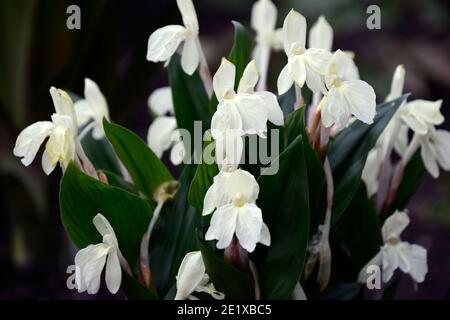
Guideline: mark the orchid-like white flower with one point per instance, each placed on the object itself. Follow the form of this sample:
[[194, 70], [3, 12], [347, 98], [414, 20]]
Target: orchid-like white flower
[[321, 35], [263, 21], [62, 132], [192, 278], [163, 43], [241, 112], [91, 260], [233, 197], [92, 107], [395, 253], [304, 65], [163, 133], [346, 97]]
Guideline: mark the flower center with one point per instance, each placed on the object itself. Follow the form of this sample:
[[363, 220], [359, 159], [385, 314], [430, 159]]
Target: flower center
[[297, 49], [239, 201], [392, 241], [229, 94]]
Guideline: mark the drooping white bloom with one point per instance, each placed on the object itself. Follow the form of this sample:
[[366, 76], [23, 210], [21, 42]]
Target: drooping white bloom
[[263, 21], [395, 253], [92, 107], [163, 133], [192, 278], [304, 65], [346, 97], [321, 35], [62, 132], [233, 197], [163, 43], [90, 261]]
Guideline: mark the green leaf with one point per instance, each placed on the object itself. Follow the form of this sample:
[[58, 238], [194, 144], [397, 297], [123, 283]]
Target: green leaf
[[82, 197], [236, 284], [284, 202], [295, 126], [174, 235], [412, 177], [117, 181], [190, 100], [203, 179], [348, 154], [146, 170], [241, 53]]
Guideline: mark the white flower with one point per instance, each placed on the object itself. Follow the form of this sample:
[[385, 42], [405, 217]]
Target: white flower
[[346, 97], [249, 110], [92, 107], [192, 278], [304, 65], [421, 115], [90, 261], [163, 133], [233, 195], [321, 35], [410, 258], [263, 21], [163, 43], [62, 132]]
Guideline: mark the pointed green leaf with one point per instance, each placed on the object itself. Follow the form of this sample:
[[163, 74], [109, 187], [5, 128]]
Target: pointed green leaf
[[145, 168], [284, 202]]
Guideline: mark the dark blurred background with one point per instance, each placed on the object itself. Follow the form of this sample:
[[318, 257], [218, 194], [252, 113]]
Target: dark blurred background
[[37, 51]]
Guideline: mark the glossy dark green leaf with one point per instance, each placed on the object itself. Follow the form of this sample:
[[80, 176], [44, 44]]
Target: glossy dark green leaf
[[284, 201], [190, 100], [174, 235], [412, 177], [236, 284], [348, 154], [241, 53], [295, 126], [145, 168], [82, 197], [203, 179]]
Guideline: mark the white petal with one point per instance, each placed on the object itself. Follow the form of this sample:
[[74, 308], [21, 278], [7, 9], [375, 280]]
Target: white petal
[[429, 159], [223, 226], [30, 139], [264, 16], [285, 80], [209, 202], [274, 112], [426, 111], [113, 274], [321, 35], [160, 101], [248, 226], [226, 117], [160, 133], [163, 43], [177, 153], [224, 78], [390, 262], [361, 99], [338, 64], [96, 100], [394, 225], [47, 165], [243, 183], [104, 228], [83, 111], [442, 148], [352, 71], [414, 260], [317, 59], [264, 237], [252, 112], [249, 78], [188, 13], [190, 274], [397, 84], [90, 262], [314, 80], [335, 110], [401, 142], [297, 70], [63, 103], [371, 171], [294, 29], [190, 57]]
